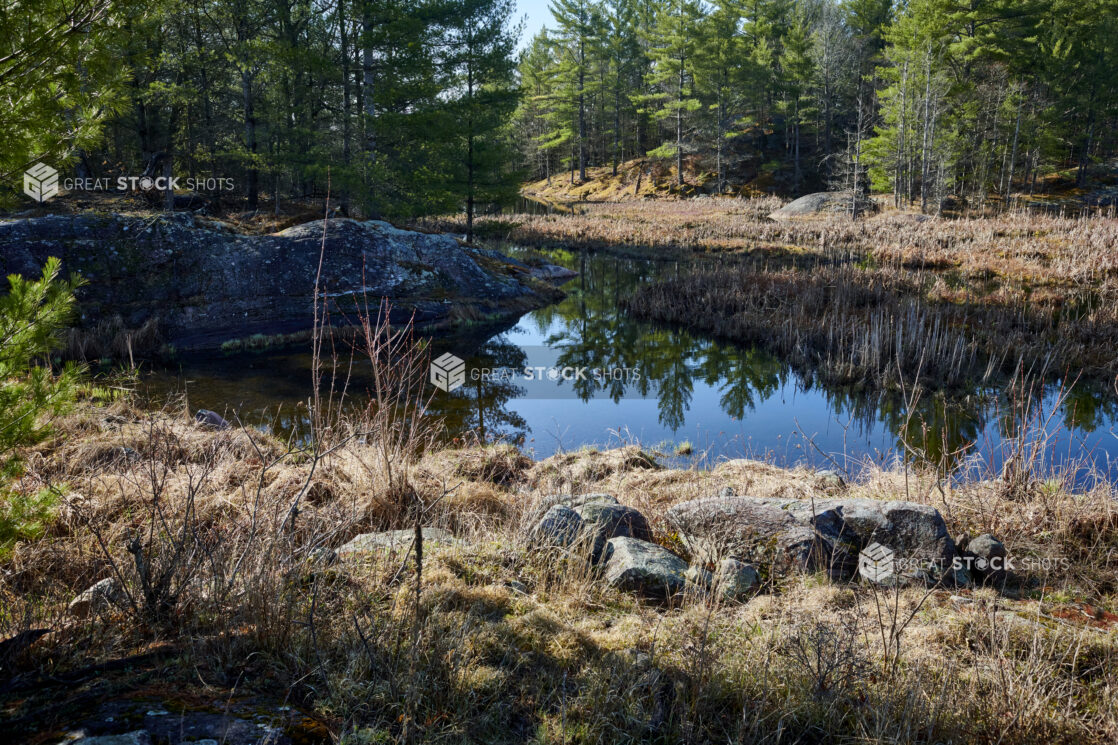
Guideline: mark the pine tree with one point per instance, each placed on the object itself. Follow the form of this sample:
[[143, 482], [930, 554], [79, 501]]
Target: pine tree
[[672, 49], [625, 64], [60, 78], [577, 39], [721, 71], [532, 121], [484, 67], [798, 65]]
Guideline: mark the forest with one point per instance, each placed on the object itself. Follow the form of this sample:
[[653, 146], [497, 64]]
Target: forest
[[413, 107], [644, 371]]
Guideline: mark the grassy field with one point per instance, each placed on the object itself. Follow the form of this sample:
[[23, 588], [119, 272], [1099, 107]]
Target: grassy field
[[493, 640]]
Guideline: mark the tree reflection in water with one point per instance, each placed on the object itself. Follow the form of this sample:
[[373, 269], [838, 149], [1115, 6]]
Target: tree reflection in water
[[691, 381], [587, 329]]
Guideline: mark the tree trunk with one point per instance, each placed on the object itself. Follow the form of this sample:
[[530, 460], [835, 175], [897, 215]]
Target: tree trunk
[[1013, 155], [898, 178], [796, 148], [470, 166], [582, 110], [721, 185], [924, 156], [347, 126], [617, 121], [250, 138], [679, 127], [1085, 156], [857, 161], [368, 86]]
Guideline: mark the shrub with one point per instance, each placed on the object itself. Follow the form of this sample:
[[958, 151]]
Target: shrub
[[32, 315]]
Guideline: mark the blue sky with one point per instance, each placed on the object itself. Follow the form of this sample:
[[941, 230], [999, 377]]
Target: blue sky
[[537, 14]]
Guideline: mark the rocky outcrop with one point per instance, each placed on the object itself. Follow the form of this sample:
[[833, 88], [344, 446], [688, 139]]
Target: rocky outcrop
[[827, 534], [203, 285], [821, 204]]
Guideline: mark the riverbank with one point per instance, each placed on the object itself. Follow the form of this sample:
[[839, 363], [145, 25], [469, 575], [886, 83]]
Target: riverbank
[[949, 302], [254, 610], [166, 283]]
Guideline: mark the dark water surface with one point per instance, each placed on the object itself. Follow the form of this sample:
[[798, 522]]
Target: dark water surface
[[671, 389]]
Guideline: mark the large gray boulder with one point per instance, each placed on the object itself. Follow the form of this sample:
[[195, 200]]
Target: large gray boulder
[[915, 534], [602, 521], [588, 519], [749, 528], [638, 566], [821, 204], [560, 526], [203, 284]]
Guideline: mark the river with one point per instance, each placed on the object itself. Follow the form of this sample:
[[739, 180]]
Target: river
[[583, 373]]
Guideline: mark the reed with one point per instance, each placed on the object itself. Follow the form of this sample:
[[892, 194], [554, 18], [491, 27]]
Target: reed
[[849, 325]]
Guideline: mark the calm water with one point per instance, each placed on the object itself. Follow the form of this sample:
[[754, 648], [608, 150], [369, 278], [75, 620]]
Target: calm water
[[671, 389]]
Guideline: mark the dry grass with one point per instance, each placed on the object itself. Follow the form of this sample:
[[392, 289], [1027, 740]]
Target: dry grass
[[959, 300], [1038, 249], [568, 660], [875, 326]]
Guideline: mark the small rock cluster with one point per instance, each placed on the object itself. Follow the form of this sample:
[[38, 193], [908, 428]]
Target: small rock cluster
[[730, 540], [619, 538], [730, 537]]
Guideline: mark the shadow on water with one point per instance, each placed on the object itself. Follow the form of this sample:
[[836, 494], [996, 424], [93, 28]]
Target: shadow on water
[[722, 400]]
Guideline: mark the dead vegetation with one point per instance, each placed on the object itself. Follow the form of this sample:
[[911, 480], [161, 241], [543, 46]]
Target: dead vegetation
[[952, 303], [507, 644], [1035, 249], [874, 327]]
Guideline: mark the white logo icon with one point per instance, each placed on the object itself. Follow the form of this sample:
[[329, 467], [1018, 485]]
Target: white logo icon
[[877, 563], [448, 373], [40, 182]]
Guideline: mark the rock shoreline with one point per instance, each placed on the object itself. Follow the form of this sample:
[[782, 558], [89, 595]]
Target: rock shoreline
[[201, 285]]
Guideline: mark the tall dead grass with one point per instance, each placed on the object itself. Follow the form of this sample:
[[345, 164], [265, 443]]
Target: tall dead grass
[[851, 325], [515, 643]]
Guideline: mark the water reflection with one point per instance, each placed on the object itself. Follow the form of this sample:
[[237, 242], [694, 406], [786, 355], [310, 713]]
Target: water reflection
[[727, 400]]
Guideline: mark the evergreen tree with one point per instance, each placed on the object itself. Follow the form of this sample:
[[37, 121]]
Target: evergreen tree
[[485, 69], [577, 36], [60, 77], [721, 71], [673, 46]]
